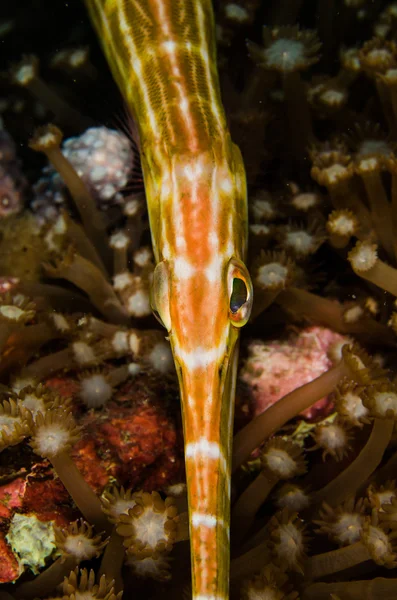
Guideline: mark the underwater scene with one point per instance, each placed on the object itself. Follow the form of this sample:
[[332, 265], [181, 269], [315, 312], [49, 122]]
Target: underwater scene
[[198, 299]]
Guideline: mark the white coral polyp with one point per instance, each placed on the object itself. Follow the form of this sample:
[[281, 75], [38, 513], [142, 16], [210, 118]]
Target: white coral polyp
[[259, 229], [262, 209], [149, 567], [333, 97], [300, 241], [378, 543], [353, 314], [373, 148], [237, 13], [354, 406], [348, 528], [83, 353], [379, 54], [149, 528], [138, 304], [122, 280], [34, 403], [95, 390], [280, 462], [335, 173], [343, 225], [120, 341], [80, 546], [7, 423], [60, 322], [121, 507], [285, 54], [331, 437], [385, 497], [25, 74], [12, 313], [272, 275], [142, 257], [51, 440], [363, 257], [290, 546], [161, 357], [293, 498], [119, 240], [385, 402], [305, 201]]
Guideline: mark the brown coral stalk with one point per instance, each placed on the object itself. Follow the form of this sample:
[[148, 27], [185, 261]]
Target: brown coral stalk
[[337, 560], [298, 113], [386, 473], [47, 140], [250, 501], [373, 589], [330, 313], [36, 335], [260, 428], [388, 106], [46, 582], [349, 480], [86, 276], [394, 210], [251, 562], [112, 560], [26, 75], [377, 272], [5, 331], [85, 498], [321, 310], [82, 243], [380, 208], [53, 296], [284, 12], [45, 366]]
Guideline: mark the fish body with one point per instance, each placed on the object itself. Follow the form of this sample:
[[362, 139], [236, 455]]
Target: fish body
[[162, 55]]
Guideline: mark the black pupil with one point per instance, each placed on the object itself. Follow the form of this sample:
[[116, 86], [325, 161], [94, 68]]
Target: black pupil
[[238, 296]]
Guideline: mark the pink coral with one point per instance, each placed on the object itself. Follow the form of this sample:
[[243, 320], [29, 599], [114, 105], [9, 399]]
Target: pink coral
[[273, 369]]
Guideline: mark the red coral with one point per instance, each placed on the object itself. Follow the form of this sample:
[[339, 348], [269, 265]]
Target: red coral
[[9, 568], [47, 497], [11, 497], [134, 439], [129, 441]]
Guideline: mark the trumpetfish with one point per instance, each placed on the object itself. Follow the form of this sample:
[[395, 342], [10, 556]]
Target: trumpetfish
[[162, 56]]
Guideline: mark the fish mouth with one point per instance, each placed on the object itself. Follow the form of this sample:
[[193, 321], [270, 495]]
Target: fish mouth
[[208, 433]]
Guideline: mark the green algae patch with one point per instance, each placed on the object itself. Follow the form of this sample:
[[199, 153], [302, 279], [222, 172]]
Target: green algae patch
[[32, 540]]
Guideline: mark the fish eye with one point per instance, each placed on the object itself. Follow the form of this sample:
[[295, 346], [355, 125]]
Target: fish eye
[[240, 293]]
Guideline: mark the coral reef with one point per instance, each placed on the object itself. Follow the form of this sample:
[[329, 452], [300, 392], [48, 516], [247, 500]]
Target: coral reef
[[91, 460]]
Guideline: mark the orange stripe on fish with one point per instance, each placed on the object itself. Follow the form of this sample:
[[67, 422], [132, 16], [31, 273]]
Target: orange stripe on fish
[[162, 55]]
